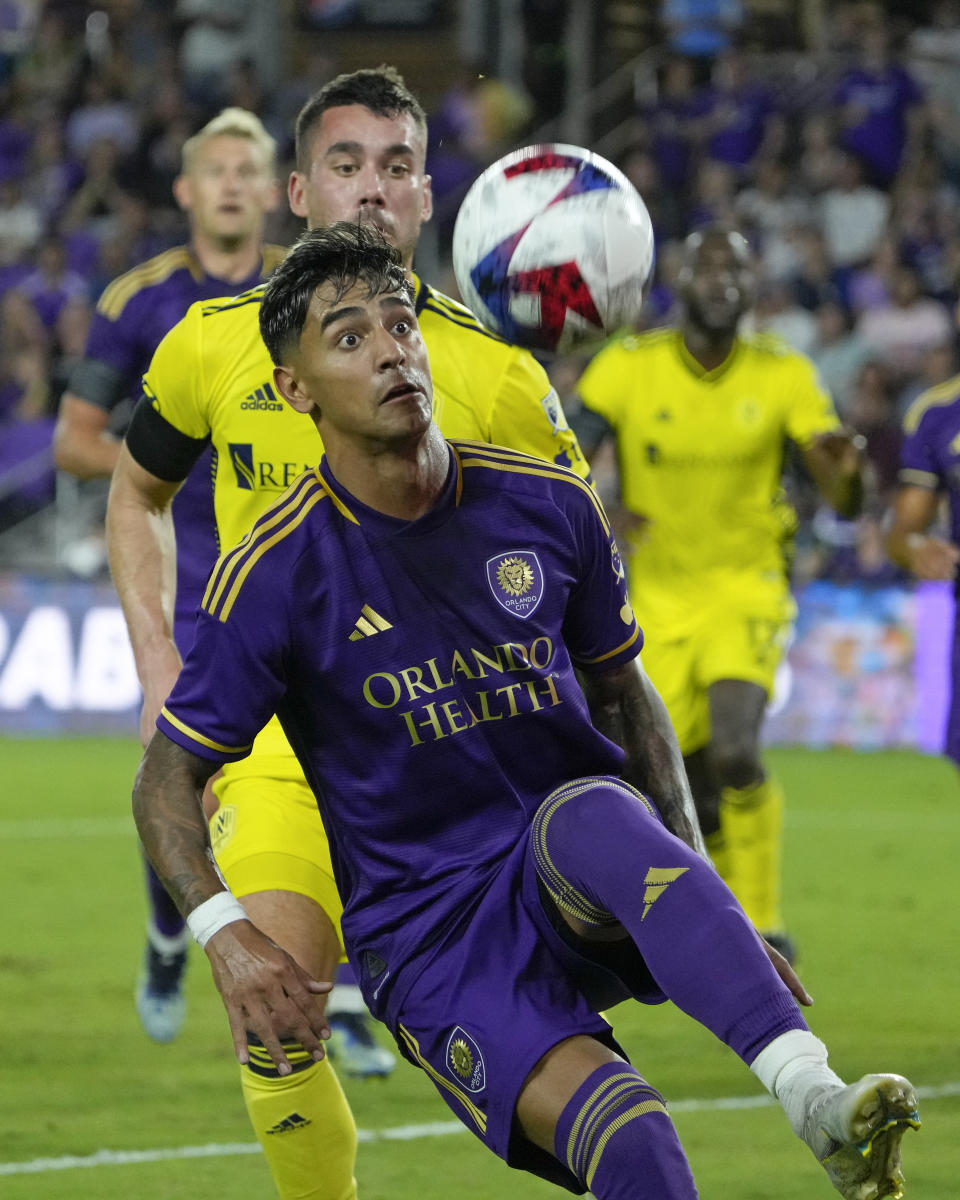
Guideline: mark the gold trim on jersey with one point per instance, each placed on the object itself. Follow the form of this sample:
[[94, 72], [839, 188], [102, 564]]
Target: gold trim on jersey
[[501, 458], [479, 1116], [199, 738], [616, 650], [282, 518], [117, 295], [941, 395]]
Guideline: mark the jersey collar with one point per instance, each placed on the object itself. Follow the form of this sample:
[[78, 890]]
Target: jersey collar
[[694, 367]]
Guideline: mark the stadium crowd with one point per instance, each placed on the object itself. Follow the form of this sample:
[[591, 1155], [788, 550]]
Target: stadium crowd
[[842, 168]]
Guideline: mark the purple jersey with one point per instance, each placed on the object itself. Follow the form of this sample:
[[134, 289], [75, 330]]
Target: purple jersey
[[423, 672], [930, 454], [880, 134], [132, 316]]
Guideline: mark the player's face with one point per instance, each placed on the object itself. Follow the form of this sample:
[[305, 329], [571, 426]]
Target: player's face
[[717, 285], [366, 167], [361, 368], [229, 188]]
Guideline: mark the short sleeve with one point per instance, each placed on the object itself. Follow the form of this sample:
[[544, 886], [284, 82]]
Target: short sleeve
[[527, 415], [602, 386], [919, 463], [174, 381], [600, 629], [810, 409], [233, 678]]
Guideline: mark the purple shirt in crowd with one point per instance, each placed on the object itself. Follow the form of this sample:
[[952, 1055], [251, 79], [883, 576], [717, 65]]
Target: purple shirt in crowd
[[880, 135], [424, 674]]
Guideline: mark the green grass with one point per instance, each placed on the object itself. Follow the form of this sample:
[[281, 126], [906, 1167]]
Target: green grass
[[870, 885]]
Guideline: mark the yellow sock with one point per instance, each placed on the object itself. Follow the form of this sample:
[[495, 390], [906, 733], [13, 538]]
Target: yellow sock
[[304, 1124], [717, 849], [751, 820]]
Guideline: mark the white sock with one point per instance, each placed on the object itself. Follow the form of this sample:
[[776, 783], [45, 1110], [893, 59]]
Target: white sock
[[793, 1068]]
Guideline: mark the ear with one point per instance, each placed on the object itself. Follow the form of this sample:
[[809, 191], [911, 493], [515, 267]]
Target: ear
[[297, 193], [183, 192], [287, 384], [427, 207]]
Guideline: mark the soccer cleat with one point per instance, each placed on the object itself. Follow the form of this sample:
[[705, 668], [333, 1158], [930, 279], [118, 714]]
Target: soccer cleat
[[353, 1047], [855, 1133], [161, 1004]]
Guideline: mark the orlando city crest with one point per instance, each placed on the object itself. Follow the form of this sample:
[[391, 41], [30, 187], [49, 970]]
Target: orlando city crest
[[516, 580], [464, 1061]]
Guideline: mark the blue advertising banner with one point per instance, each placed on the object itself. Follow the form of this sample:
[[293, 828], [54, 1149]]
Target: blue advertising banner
[[868, 667]]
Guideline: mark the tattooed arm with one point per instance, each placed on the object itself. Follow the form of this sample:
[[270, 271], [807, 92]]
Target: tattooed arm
[[626, 708], [263, 989]]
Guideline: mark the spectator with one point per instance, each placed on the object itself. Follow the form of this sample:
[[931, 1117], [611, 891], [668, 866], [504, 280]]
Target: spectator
[[778, 312], [20, 225], [882, 110], [52, 286], [735, 116], [50, 174], [713, 196], [103, 115], [873, 414], [770, 210], [934, 60], [905, 329], [853, 214], [839, 352], [701, 28], [870, 285], [816, 280], [668, 122], [820, 156], [221, 35]]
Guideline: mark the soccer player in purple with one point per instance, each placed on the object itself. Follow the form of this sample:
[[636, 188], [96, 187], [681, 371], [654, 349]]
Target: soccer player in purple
[[443, 629], [930, 469], [227, 187]]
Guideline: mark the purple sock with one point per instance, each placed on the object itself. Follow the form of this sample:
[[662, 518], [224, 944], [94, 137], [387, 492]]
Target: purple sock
[[603, 855], [616, 1137], [164, 913]]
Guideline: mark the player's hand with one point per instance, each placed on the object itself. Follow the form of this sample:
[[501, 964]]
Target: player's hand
[[266, 992], [932, 557], [787, 974], [843, 447]]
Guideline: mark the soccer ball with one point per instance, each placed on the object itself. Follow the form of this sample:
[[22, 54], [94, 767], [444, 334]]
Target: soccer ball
[[552, 248]]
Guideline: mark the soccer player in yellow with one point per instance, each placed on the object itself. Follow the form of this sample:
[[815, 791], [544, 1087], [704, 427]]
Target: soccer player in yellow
[[360, 153], [701, 414]]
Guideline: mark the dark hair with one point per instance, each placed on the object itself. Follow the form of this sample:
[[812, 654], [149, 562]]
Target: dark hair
[[341, 255], [381, 89]]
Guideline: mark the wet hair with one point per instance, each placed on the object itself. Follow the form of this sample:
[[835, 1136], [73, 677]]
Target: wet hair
[[232, 122], [380, 89], [341, 256]]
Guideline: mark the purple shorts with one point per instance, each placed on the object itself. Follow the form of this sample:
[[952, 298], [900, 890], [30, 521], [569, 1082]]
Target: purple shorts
[[502, 991]]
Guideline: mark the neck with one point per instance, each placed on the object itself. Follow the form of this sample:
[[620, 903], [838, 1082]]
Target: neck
[[709, 349], [402, 480], [230, 259]]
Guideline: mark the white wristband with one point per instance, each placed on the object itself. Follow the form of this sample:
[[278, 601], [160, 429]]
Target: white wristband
[[211, 916]]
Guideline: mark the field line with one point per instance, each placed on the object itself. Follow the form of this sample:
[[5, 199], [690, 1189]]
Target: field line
[[395, 1133]]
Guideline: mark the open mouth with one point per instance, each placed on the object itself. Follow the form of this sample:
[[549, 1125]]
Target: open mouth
[[401, 392]]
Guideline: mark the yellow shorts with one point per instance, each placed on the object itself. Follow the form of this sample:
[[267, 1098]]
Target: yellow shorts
[[267, 835], [741, 637]]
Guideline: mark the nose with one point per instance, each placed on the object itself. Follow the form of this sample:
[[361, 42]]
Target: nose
[[390, 351], [371, 187]]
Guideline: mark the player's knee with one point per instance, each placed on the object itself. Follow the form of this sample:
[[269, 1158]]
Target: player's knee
[[616, 1129]]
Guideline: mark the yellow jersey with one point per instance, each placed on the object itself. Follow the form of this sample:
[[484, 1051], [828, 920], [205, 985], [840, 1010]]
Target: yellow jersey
[[211, 380], [700, 455]]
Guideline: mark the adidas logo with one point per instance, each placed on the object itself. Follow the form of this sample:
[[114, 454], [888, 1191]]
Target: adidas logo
[[289, 1124], [657, 880], [264, 399], [368, 623]]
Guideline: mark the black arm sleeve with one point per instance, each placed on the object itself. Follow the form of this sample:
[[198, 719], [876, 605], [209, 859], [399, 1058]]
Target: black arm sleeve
[[98, 383], [160, 448]]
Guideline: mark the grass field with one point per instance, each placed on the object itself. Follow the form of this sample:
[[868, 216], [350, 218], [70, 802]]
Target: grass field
[[871, 896]]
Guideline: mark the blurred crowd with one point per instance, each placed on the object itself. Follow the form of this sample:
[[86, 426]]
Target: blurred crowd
[[841, 166]]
